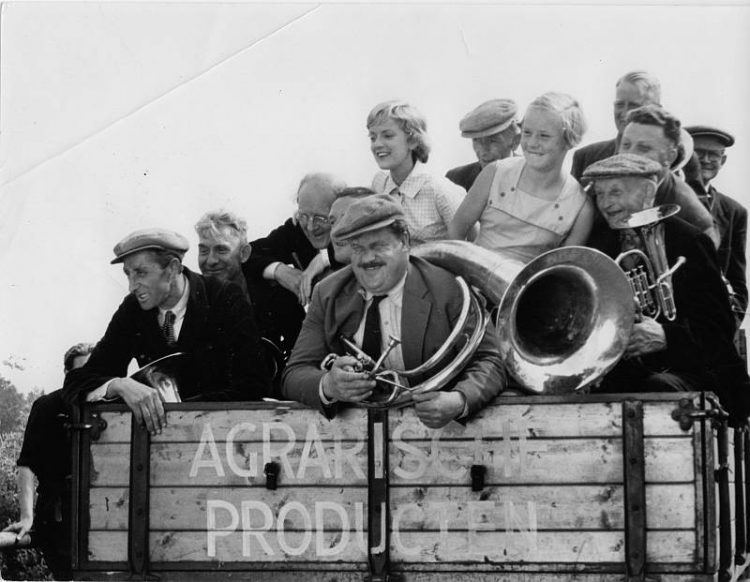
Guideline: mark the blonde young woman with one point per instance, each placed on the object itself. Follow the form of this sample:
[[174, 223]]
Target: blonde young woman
[[528, 205], [399, 143]]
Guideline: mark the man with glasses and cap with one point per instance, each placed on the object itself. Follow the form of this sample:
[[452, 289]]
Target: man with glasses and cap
[[694, 351], [709, 144], [284, 265], [386, 292], [170, 309], [494, 133]]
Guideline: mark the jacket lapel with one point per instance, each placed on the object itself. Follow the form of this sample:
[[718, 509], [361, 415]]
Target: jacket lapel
[[196, 313], [415, 315]]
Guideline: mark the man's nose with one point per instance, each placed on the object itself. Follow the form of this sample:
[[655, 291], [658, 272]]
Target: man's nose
[[132, 284]]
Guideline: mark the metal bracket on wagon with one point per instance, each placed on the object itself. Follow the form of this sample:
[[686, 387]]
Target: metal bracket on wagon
[[97, 425], [686, 413]]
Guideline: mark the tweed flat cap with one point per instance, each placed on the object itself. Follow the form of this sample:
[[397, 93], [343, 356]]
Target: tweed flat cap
[[150, 239], [488, 118], [622, 165], [366, 214], [723, 137]]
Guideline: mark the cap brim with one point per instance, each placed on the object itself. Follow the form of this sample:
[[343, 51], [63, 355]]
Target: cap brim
[[123, 256], [367, 228], [488, 131]]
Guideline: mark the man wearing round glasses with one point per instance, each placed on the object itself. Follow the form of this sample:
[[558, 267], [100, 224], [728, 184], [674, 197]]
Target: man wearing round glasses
[[284, 265], [709, 144]]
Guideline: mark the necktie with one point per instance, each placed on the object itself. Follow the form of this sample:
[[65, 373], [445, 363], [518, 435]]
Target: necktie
[[372, 338], [167, 328]]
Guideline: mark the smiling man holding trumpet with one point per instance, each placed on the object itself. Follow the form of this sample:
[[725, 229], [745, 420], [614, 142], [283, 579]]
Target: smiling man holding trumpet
[[392, 311], [682, 338]]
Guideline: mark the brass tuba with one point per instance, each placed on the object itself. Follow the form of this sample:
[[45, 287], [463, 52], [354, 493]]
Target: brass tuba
[[563, 320], [651, 279]]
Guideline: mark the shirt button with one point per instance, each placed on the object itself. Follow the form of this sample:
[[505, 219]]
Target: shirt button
[[512, 188], [559, 218], [557, 206], [502, 194]]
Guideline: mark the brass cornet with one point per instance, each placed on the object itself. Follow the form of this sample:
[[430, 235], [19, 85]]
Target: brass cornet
[[651, 280]]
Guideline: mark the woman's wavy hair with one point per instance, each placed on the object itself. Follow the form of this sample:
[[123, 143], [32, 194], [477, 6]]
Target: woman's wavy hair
[[411, 121]]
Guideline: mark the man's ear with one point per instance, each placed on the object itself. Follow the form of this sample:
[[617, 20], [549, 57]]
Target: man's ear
[[245, 252]]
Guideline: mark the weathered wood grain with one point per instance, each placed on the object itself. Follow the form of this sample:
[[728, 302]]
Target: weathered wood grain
[[325, 463], [110, 465], [541, 507], [536, 461]]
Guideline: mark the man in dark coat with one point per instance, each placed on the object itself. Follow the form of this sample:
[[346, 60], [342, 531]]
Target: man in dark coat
[[45, 457], [632, 90], [385, 292], [695, 350], [170, 309], [284, 265], [494, 133], [730, 215]]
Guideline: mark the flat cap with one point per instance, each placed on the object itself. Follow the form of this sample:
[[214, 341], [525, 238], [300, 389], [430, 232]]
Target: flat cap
[[724, 137], [366, 214], [150, 239], [488, 118], [621, 165]]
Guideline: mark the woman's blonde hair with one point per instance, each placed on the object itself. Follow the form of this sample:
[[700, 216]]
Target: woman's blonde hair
[[411, 121], [573, 121]]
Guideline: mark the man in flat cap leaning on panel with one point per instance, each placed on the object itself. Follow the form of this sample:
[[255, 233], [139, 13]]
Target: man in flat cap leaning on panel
[[695, 351], [494, 133], [730, 216], [386, 292], [171, 309]]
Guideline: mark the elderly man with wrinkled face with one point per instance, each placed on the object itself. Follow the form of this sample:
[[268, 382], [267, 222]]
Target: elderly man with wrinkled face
[[285, 264], [385, 293], [693, 352]]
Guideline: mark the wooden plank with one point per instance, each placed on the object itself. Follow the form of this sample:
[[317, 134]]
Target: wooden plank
[[318, 463], [529, 461], [658, 421], [108, 546], [118, 428], [283, 547], [110, 465], [282, 423], [108, 508], [578, 547], [252, 546], [579, 507], [588, 507], [512, 421], [187, 508]]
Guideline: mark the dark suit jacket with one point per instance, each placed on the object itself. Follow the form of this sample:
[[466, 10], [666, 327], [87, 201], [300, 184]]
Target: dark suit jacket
[[731, 219], [587, 155], [218, 333], [464, 176], [277, 310], [699, 341], [431, 305]]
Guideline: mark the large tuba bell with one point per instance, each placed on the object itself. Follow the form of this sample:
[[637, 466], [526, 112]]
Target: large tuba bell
[[563, 320], [651, 278]]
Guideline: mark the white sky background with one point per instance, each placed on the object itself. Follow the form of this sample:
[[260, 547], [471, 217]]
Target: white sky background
[[118, 116]]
